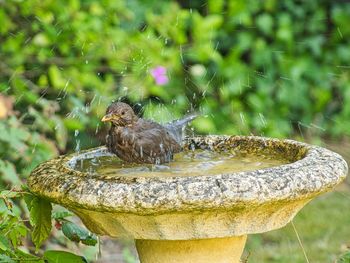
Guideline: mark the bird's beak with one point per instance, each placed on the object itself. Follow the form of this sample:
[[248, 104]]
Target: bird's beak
[[107, 117]]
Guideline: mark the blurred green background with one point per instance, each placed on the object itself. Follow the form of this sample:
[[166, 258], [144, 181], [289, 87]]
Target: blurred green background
[[272, 68]]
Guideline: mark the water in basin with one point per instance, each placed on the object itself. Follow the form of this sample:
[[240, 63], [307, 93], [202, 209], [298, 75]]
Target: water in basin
[[188, 163]]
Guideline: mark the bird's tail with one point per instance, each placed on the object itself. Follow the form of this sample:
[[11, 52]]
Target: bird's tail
[[183, 121], [177, 127]]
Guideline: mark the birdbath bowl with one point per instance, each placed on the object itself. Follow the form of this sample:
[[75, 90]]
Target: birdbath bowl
[[193, 218]]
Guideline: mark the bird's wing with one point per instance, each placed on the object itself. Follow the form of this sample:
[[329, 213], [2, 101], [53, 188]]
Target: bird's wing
[[151, 142]]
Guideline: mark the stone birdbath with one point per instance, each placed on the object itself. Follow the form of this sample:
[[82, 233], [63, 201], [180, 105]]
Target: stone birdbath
[[193, 218]]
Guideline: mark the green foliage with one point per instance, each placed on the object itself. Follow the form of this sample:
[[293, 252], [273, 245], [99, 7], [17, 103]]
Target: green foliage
[[273, 68], [250, 67], [59, 215], [40, 219], [6, 259], [344, 258], [18, 143], [62, 257], [78, 234], [323, 241], [13, 229], [256, 65], [128, 256]]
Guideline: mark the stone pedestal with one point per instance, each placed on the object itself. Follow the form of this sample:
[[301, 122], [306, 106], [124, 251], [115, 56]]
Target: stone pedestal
[[218, 250]]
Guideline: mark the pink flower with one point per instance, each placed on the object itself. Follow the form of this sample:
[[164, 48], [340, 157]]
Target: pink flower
[[159, 75]]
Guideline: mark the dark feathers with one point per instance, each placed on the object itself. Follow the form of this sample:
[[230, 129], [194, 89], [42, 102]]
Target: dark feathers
[[137, 140]]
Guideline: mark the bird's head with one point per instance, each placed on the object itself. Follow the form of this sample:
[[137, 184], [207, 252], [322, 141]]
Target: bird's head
[[119, 114]]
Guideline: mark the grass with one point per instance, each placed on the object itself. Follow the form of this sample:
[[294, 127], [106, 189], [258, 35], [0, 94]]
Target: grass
[[324, 229]]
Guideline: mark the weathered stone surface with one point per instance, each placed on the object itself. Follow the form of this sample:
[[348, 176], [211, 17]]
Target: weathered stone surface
[[198, 206]]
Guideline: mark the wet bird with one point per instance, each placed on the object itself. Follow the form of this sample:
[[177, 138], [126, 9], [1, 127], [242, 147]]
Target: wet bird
[[137, 140]]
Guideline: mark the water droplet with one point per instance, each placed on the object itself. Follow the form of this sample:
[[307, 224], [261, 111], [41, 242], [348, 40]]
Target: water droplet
[[193, 147], [242, 117], [34, 148], [141, 152], [77, 147]]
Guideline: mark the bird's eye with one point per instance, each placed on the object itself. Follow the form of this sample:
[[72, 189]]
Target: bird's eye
[[123, 112]]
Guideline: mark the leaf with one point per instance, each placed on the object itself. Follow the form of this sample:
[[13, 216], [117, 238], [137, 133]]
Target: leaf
[[344, 258], [3, 207], [25, 257], [9, 173], [61, 214], [6, 259], [4, 243], [14, 136], [15, 230], [55, 256], [28, 198], [77, 234], [90, 240], [56, 77], [40, 218]]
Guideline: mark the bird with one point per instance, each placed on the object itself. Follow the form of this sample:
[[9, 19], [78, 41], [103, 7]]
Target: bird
[[137, 140]]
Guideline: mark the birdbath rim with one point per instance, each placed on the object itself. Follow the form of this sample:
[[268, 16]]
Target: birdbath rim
[[314, 170]]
